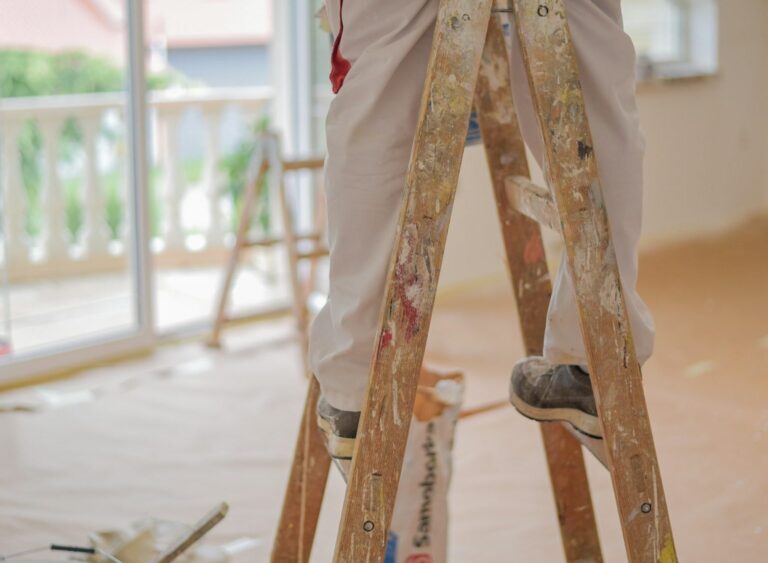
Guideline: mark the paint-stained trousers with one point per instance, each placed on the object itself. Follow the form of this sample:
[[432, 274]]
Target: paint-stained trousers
[[380, 65]]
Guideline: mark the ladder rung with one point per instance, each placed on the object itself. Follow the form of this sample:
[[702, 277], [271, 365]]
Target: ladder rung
[[257, 315], [597, 447], [304, 163], [532, 201], [271, 241], [319, 253]]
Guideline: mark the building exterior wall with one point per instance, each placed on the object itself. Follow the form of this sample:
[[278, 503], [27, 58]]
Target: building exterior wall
[[242, 65]]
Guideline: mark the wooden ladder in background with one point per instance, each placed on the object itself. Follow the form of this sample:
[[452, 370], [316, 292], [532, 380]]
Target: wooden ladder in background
[[268, 160], [470, 65]]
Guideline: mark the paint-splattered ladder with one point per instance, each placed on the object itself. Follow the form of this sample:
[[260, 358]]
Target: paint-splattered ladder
[[469, 64]]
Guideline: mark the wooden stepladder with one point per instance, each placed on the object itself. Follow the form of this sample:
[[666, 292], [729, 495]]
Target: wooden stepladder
[[306, 246], [470, 65]]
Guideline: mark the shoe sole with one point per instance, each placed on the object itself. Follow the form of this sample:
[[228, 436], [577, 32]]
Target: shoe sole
[[581, 421], [338, 447]]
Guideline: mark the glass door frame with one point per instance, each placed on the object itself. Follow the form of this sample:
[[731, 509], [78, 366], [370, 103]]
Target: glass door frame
[[23, 368]]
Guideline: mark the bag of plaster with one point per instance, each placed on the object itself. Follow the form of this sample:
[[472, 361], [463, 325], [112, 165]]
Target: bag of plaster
[[419, 530]]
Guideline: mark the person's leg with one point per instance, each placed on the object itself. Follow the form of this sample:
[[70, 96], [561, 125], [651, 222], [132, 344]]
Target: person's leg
[[370, 129], [606, 60], [556, 387]]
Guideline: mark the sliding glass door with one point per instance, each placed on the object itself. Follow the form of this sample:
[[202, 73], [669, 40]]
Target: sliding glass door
[[125, 129], [74, 273]]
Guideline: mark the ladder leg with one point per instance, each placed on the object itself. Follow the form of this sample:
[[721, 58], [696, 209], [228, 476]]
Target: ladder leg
[[568, 474], [552, 68], [414, 269], [241, 238], [505, 151], [305, 490], [300, 312]]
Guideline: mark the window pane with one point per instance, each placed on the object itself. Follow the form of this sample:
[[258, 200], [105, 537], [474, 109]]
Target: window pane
[[321, 69], [656, 27], [68, 202], [209, 77], [5, 313]]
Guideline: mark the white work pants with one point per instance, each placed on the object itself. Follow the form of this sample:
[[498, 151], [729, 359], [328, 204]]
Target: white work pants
[[380, 65]]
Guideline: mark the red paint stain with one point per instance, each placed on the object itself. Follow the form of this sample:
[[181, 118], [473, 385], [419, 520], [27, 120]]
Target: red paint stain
[[411, 315], [404, 280], [386, 338], [533, 251], [407, 276]]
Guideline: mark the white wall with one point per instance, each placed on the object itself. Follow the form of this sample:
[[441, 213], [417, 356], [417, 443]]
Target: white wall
[[706, 139], [707, 151]]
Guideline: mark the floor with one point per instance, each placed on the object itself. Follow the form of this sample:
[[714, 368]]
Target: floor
[[173, 434], [53, 312]]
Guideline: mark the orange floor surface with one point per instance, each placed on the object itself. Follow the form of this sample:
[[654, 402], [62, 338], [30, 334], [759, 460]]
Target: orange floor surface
[[171, 435]]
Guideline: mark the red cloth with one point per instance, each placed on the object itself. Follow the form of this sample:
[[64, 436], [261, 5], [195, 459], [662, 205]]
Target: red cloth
[[339, 65]]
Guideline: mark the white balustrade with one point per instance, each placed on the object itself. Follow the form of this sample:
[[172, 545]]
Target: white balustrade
[[13, 201], [212, 179], [54, 202], [174, 182], [53, 252], [95, 239]]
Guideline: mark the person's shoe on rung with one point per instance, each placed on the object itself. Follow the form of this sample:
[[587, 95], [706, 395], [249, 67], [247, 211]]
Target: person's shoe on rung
[[339, 428], [549, 393]]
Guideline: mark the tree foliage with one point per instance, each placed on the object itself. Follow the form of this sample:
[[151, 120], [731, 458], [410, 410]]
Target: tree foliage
[[33, 73], [26, 73]]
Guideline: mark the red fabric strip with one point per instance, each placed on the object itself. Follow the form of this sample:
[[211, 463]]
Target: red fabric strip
[[339, 65]]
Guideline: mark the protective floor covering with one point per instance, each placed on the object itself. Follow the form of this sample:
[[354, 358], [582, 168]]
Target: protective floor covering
[[171, 435]]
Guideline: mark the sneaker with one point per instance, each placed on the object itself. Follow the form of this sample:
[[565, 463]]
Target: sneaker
[[545, 392], [339, 428]]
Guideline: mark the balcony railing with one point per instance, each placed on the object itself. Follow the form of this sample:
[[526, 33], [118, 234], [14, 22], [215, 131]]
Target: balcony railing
[[66, 208]]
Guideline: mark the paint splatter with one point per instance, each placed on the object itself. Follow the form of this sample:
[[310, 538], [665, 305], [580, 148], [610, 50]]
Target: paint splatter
[[668, 554], [533, 251], [410, 312], [584, 150], [412, 280]]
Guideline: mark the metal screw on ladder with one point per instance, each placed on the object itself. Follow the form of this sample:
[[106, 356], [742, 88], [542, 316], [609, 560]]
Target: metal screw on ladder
[[646, 507], [368, 526]]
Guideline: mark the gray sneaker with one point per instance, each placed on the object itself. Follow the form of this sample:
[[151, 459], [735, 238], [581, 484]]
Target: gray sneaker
[[545, 392], [339, 428]]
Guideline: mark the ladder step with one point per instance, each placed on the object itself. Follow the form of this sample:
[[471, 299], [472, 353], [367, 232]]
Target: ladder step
[[535, 202], [271, 241], [312, 163], [595, 446], [319, 253], [258, 314]]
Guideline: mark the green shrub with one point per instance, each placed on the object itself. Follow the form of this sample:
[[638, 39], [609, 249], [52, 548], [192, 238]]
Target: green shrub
[[73, 208], [114, 205], [235, 168], [37, 73], [192, 170]]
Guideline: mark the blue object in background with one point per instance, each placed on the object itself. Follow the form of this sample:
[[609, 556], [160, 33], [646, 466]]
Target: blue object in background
[[391, 555], [473, 133]]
